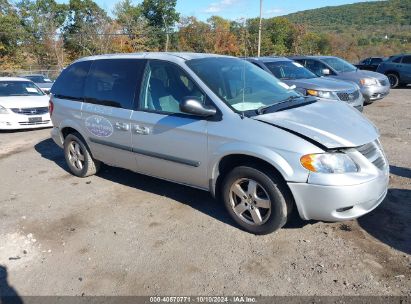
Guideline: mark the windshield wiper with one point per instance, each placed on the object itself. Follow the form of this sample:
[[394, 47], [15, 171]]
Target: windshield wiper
[[263, 109]]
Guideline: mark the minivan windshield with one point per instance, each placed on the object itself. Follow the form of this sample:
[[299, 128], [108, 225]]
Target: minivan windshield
[[339, 65], [289, 70], [19, 88], [240, 84]]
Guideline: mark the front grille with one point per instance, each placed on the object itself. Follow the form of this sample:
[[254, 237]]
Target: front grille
[[374, 153], [31, 111], [26, 123], [383, 82], [348, 96]]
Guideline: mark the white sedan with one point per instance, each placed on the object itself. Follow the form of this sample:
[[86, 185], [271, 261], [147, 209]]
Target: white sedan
[[23, 105]]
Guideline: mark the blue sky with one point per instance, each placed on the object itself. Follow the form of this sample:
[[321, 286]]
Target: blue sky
[[235, 9]]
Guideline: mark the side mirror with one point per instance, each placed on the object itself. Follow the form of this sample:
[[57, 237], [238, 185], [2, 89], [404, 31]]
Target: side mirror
[[326, 72], [191, 105]]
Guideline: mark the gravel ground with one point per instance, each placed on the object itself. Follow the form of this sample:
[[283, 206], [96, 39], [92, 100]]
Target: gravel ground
[[120, 233]]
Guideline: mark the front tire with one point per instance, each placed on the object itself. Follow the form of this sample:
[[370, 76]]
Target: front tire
[[394, 80], [258, 202], [78, 157]]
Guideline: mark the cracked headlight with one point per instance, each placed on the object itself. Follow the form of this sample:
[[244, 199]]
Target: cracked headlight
[[329, 163]]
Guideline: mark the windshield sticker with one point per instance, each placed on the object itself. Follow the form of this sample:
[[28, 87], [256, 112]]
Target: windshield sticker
[[32, 90], [297, 64], [285, 86], [99, 126]]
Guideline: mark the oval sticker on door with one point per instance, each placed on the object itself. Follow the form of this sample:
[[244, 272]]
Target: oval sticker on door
[[99, 126]]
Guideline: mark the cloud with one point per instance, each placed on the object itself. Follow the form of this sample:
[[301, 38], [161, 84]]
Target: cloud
[[217, 7], [273, 11]]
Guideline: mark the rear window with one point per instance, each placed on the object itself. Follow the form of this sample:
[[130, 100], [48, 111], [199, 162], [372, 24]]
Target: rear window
[[114, 82], [70, 83]]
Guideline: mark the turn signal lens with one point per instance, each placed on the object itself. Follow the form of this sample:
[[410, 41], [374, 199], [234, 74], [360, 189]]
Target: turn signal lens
[[307, 162], [312, 92]]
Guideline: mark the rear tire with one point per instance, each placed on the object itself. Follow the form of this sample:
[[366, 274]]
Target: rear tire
[[78, 156], [394, 80], [259, 202]]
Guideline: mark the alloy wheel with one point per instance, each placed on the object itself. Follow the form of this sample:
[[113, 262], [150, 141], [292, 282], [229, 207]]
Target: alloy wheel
[[250, 201], [76, 155]]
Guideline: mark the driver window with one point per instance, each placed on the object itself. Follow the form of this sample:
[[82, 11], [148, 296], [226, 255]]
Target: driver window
[[316, 66], [165, 86], [367, 61]]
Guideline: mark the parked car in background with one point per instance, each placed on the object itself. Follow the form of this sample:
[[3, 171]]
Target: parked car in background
[[374, 86], [223, 125], [41, 81], [23, 105], [306, 82], [398, 70], [370, 63]]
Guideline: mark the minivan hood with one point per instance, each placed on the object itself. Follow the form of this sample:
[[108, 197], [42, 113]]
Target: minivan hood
[[322, 84], [332, 124], [11, 102]]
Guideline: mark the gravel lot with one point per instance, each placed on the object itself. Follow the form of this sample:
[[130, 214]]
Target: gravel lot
[[121, 233]]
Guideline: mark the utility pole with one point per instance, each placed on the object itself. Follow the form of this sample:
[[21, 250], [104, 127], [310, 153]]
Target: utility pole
[[259, 28], [167, 35]]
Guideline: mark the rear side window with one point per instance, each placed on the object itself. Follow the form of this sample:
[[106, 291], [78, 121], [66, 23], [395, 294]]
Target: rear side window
[[376, 60], [366, 61], [406, 60], [397, 60], [114, 82], [70, 83]]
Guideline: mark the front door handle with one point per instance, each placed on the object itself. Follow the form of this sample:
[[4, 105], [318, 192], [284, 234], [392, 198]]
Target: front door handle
[[141, 130], [122, 126]]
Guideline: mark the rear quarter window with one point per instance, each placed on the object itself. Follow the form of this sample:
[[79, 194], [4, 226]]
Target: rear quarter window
[[70, 83], [114, 82], [406, 60]]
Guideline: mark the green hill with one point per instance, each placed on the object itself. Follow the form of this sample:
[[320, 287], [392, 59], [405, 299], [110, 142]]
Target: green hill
[[358, 16]]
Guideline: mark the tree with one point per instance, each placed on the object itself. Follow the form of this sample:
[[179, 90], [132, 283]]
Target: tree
[[161, 14], [41, 20], [225, 41], [10, 29], [87, 28], [140, 36], [194, 36]]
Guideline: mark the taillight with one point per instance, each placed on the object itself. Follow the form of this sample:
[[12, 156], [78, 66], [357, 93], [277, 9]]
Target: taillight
[[51, 105]]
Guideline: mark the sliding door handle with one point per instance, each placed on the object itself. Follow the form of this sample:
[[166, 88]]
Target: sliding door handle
[[141, 130], [122, 126]]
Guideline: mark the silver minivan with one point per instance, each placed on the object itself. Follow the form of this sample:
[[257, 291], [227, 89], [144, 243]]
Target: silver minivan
[[223, 125]]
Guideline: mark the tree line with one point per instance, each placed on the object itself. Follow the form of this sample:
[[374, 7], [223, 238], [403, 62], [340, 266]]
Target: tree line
[[44, 33]]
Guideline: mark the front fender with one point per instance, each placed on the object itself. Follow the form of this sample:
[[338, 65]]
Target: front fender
[[287, 163]]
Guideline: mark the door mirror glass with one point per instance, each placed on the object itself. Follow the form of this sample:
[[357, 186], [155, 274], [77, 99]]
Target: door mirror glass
[[191, 105], [326, 72]]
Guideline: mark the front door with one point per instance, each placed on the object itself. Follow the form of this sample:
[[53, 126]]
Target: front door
[[168, 143]]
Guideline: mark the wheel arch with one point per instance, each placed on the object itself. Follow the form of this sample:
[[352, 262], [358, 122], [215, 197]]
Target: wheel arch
[[271, 161], [392, 72]]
